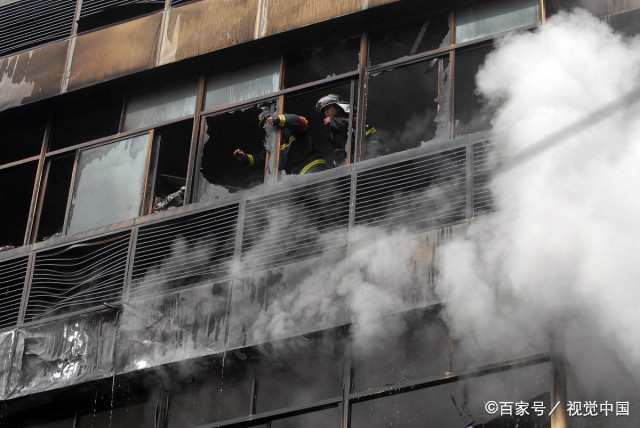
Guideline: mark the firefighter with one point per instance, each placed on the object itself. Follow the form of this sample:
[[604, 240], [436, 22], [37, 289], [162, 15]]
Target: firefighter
[[336, 119], [298, 154]]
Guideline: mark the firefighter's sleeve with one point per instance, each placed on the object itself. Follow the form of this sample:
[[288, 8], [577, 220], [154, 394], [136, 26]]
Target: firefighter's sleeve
[[256, 161], [291, 121]]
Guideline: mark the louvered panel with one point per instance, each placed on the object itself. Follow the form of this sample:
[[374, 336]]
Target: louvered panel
[[29, 23], [295, 224], [12, 276], [89, 7], [184, 251], [484, 162], [423, 192], [78, 277]]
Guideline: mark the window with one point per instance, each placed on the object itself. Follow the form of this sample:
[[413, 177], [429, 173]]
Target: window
[[17, 187], [56, 185], [492, 17], [109, 184]]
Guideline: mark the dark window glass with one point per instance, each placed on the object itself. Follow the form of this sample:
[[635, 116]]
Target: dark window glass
[[420, 351], [212, 393], [58, 415], [220, 173], [56, 192], [470, 111], [21, 143], [329, 59], [323, 419], [89, 123], [462, 404], [410, 38], [15, 194], [407, 107], [172, 147], [298, 372], [328, 142]]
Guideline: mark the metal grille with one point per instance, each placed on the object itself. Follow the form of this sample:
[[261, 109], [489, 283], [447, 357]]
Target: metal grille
[[28, 23], [77, 277], [12, 276], [421, 192], [184, 251], [89, 7], [484, 162], [295, 224]]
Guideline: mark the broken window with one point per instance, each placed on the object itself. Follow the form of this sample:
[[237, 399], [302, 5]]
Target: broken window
[[167, 180], [220, 173], [148, 109], [407, 107], [86, 123], [487, 18], [109, 184], [21, 142], [56, 185], [336, 139], [242, 84], [319, 62], [471, 113], [410, 38], [17, 188]]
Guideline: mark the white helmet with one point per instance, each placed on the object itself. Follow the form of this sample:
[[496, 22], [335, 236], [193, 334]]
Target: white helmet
[[332, 99]]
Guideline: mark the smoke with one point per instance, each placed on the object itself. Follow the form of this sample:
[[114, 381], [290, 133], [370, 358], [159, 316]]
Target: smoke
[[557, 258]]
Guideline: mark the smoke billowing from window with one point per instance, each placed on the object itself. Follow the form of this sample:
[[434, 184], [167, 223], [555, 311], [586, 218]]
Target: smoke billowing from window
[[559, 254]]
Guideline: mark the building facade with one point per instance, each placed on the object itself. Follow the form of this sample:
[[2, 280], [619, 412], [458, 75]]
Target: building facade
[[150, 279]]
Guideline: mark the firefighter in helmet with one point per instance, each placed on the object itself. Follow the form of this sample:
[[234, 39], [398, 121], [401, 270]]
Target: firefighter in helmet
[[298, 153], [336, 120]]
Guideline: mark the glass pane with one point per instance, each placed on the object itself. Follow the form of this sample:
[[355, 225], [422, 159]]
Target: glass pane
[[212, 394], [109, 184], [330, 138], [487, 18], [56, 193], [298, 371], [471, 113], [146, 110], [407, 107], [90, 122], [21, 142], [242, 84], [15, 194], [462, 404], [220, 173], [323, 419], [410, 38], [321, 62], [173, 146]]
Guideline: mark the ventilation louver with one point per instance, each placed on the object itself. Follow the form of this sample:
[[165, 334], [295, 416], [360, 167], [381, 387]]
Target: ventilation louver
[[78, 277], [28, 23], [184, 251], [295, 224], [420, 192], [12, 277], [484, 162]]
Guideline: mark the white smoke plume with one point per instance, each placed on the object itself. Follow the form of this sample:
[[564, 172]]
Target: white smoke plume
[[559, 255]]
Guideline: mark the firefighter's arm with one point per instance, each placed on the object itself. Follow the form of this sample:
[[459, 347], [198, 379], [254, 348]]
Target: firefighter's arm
[[291, 121], [249, 160]]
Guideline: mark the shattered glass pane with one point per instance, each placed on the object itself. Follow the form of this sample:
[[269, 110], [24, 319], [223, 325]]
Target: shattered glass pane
[[471, 112], [319, 62], [462, 404], [483, 19], [148, 109], [109, 184], [220, 173], [401, 116], [409, 39], [242, 84], [62, 353]]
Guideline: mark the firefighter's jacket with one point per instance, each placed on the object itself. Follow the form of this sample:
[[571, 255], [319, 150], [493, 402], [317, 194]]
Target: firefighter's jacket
[[338, 128], [298, 153]]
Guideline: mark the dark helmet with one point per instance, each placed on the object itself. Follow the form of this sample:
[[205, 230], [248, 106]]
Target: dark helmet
[[332, 99]]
